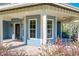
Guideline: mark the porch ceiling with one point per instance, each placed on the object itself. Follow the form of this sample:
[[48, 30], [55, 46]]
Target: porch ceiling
[[61, 16], [66, 18], [20, 15]]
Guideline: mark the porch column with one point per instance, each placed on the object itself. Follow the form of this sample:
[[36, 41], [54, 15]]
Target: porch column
[[25, 30], [1, 32], [44, 28], [78, 35]]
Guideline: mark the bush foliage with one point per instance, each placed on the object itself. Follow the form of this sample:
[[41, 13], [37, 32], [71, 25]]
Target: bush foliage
[[58, 49]]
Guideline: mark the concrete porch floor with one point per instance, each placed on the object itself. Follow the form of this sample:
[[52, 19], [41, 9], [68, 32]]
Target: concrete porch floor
[[16, 45], [12, 43]]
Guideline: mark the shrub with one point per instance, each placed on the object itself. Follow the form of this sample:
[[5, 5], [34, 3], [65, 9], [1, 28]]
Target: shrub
[[60, 49]]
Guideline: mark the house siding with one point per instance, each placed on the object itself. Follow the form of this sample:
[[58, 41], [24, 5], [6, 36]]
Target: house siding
[[35, 41], [59, 29], [22, 32], [53, 40], [7, 30]]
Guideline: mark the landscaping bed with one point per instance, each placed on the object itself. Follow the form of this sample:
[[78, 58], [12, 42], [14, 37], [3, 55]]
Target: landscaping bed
[[58, 49]]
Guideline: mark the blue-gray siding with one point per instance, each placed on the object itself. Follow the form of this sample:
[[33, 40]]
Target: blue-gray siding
[[35, 41], [7, 30], [59, 29], [53, 17]]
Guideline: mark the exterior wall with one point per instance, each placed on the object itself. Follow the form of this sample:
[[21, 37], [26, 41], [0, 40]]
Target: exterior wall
[[37, 40], [7, 30], [22, 32], [55, 31], [59, 29]]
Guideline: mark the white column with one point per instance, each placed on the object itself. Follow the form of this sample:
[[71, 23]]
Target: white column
[[55, 28], [1, 32], [24, 29], [13, 35], [78, 34], [44, 28]]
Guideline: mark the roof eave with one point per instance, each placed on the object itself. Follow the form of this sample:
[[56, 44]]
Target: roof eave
[[65, 5]]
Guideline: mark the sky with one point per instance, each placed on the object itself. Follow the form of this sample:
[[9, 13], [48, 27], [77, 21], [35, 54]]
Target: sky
[[75, 4]]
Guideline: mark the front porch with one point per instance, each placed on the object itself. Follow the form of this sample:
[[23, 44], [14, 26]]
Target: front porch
[[30, 36]]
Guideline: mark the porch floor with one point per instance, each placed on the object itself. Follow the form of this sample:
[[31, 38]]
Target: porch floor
[[12, 43], [17, 45]]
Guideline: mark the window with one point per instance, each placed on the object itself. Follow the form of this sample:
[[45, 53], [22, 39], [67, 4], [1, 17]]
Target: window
[[50, 28], [32, 28]]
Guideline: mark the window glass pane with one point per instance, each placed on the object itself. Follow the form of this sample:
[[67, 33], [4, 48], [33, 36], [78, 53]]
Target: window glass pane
[[50, 28], [32, 33], [30, 22], [33, 22], [32, 28], [49, 31], [49, 22]]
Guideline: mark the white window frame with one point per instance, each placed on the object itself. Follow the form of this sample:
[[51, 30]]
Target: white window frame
[[52, 29], [29, 29]]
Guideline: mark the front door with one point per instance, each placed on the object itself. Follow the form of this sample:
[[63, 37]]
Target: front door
[[17, 31]]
